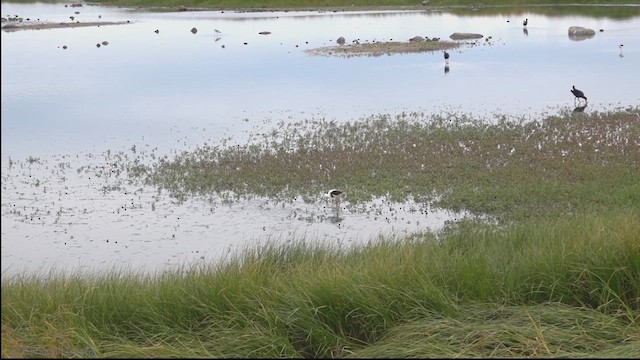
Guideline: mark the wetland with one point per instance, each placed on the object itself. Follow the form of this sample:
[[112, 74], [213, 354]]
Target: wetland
[[169, 147]]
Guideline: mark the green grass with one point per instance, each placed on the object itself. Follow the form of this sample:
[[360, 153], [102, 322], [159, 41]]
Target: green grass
[[509, 169], [568, 287], [468, 7]]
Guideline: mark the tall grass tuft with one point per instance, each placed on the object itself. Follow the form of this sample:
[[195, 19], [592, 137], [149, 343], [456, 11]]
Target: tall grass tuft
[[557, 287]]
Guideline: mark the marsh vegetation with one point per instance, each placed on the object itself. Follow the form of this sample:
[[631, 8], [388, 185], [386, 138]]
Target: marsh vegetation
[[548, 266], [559, 275]]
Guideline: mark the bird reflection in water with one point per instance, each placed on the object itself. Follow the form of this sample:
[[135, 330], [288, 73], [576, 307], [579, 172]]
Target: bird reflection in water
[[580, 109], [525, 31], [446, 68]]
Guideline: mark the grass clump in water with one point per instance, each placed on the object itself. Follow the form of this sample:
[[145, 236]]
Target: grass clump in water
[[510, 169]]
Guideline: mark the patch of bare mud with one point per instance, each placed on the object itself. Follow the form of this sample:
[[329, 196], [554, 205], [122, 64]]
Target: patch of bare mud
[[384, 48], [35, 25]]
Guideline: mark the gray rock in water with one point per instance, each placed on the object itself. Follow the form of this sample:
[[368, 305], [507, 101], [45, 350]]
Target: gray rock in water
[[465, 36], [579, 30], [416, 38], [580, 33], [340, 40]]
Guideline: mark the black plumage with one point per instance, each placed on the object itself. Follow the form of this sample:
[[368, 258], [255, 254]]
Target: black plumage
[[578, 93]]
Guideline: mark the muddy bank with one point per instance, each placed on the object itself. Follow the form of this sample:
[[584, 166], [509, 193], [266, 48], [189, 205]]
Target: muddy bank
[[384, 48], [34, 25]]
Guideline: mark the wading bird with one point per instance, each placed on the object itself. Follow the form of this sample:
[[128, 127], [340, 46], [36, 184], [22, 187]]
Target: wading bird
[[335, 195], [525, 22], [446, 56], [578, 94], [620, 47]]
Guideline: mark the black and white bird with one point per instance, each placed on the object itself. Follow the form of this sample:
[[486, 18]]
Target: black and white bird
[[620, 47], [525, 22], [578, 94], [335, 195], [446, 56]]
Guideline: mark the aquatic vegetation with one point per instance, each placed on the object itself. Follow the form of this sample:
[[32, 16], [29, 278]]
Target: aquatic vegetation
[[511, 168]]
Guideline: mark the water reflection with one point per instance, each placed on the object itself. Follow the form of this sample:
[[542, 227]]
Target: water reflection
[[81, 98], [446, 68], [580, 108], [525, 31], [82, 213]]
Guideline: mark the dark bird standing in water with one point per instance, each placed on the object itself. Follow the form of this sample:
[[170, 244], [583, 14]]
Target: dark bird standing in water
[[446, 56], [578, 93], [525, 22]]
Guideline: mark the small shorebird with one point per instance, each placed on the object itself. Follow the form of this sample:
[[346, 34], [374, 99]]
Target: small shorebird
[[446, 56], [335, 195], [525, 22]]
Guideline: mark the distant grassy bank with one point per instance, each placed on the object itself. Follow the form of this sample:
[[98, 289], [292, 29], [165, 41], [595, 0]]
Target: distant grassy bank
[[345, 4], [318, 4]]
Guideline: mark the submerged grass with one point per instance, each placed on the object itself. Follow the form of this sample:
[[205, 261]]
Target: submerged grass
[[506, 168], [565, 287]]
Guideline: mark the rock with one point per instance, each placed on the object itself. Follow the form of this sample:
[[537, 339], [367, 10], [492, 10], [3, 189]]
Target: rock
[[465, 36], [340, 40], [194, 30], [578, 33], [416, 38], [579, 30]]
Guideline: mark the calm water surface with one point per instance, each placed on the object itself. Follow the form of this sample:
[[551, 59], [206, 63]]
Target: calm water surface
[[62, 109]]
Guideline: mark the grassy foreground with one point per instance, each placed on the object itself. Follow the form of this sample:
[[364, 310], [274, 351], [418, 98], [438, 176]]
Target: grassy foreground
[[556, 288], [559, 276]]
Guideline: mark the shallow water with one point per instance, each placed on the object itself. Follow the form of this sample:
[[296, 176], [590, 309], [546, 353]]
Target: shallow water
[[175, 90], [65, 215]]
